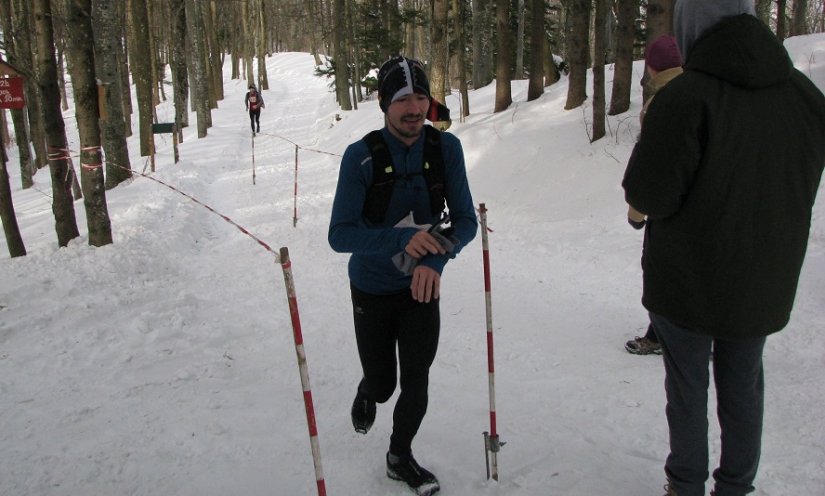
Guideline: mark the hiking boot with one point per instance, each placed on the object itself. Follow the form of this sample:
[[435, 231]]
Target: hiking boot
[[406, 469], [363, 413], [643, 346]]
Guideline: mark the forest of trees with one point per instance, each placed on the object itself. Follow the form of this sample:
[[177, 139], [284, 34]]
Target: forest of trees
[[176, 49]]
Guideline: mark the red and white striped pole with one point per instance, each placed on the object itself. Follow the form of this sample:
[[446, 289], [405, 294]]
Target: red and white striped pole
[[253, 159], [492, 444], [295, 192], [286, 265]]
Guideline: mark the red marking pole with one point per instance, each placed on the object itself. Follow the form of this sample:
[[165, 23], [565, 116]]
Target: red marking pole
[[286, 265], [253, 159], [295, 192], [492, 444]]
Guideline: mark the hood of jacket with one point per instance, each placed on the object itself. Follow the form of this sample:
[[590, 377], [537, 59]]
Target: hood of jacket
[[742, 51]]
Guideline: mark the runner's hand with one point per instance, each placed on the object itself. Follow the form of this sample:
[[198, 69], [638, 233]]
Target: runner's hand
[[426, 284], [423, 243]]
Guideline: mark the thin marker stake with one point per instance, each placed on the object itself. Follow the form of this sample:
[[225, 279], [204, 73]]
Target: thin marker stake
[[492, 444], [295, 192], [286, 265]]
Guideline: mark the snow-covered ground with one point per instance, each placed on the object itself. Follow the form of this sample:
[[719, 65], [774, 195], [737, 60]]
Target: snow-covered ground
[[164, 364]]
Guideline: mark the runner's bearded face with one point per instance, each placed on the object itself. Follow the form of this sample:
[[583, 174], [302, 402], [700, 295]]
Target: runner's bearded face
[[405, 116]]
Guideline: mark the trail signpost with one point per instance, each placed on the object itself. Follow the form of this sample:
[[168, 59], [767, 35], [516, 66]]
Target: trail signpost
[[162, 128], [11, 87]]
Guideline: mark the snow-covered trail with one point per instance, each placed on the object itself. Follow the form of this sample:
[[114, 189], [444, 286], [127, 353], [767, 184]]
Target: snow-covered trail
[[164, 364]]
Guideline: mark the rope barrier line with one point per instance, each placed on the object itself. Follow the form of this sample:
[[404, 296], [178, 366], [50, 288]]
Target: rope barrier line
[[322, 152], [182, 193], [295, 186], [56, 153], [222, 216]]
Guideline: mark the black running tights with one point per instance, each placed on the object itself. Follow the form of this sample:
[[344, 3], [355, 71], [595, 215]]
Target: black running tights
[[383, 322]]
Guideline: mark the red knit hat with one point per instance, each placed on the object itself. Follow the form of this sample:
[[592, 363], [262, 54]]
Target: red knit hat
[[663, 54]]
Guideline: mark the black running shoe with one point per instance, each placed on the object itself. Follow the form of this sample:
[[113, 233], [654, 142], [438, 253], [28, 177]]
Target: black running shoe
[[406, 469], [363, 413]]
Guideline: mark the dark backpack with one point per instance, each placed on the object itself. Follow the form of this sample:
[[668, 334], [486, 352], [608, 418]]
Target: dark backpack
[[383, 174], [254, 101]]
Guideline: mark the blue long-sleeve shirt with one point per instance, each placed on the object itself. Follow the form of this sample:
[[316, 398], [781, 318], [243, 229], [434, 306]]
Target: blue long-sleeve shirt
[[372, 246]]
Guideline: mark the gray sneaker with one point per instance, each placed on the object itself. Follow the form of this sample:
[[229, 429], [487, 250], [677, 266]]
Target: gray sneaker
[[643, 346]]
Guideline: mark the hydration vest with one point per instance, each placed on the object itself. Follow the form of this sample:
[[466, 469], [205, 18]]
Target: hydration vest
[[383, 174]]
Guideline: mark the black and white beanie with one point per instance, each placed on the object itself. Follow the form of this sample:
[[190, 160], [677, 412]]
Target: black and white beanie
[[692, 17], [400, 77]]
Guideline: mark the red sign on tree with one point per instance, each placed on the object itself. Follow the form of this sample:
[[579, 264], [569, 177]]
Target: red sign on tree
[[11, 93]]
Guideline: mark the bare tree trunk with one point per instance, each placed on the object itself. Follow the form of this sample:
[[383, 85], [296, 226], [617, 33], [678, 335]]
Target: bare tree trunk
[[355, 53], [123, 62], [23, 20], [14, 240], [59, 26], [599, 34], [781, 19], [215, 56], [439, 28], [62, 206], [263, 78], [482, 51], [339, 42], [577, 52], [197, 70], [551, 70], [659, 19], [623, 69], [154, 76], [312, 13], [140, 53], [212, 57], [247, 44], [799, 20], [180, 74], [84, 89], [504, 58], [107, 33], [519, 73], [536, 86], [410, 31], [461, 49], [18, 116]]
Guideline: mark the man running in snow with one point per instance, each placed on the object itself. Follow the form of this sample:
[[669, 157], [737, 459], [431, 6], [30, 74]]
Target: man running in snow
[[396, 263]]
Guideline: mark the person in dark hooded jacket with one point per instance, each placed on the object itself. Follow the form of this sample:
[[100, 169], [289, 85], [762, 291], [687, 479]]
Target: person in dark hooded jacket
[[727, 169]]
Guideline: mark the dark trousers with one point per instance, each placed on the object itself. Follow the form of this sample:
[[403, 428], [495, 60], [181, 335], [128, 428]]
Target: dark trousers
[[382, 323], [255, 118], [740, 385]]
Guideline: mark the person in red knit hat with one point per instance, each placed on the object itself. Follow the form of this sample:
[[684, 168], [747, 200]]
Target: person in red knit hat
[[663, 62]]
